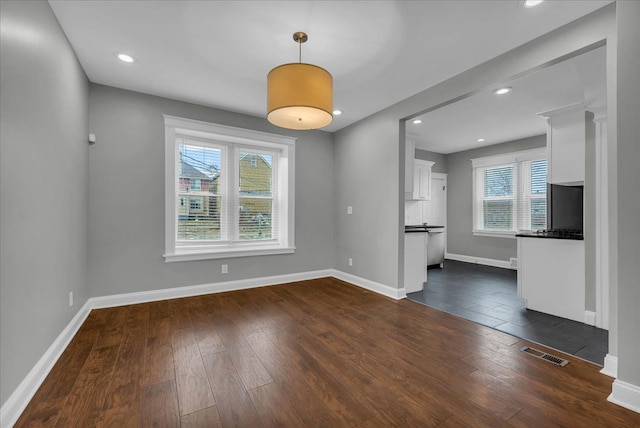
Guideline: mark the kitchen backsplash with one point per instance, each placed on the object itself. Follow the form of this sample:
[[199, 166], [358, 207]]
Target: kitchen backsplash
[[413, 212]]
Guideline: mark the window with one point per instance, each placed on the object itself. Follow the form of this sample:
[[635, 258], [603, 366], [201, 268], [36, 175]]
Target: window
[[238, 188], [195, 204], [510, 193], [195, 184]]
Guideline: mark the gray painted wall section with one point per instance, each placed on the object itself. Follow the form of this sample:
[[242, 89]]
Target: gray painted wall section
[[628, 103], [438, 158], [126, 223], [366, 168], [460, 202], [43, 186]]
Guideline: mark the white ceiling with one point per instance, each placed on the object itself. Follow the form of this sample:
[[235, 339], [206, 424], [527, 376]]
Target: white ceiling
[[498, 119], [218, 53]]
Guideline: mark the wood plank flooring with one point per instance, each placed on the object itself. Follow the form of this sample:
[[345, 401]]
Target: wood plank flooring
[[312, 353]]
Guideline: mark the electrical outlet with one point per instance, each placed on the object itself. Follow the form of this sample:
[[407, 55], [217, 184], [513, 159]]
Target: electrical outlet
[[70, 298], [350, 261], [349, 210], [225, 269]]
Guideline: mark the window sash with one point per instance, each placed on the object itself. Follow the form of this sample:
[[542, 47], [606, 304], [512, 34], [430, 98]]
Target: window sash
[[501, 219], [229, 195]]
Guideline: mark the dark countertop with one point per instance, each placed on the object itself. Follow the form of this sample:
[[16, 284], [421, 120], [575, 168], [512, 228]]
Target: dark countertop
[[548, 236], [420, 228]]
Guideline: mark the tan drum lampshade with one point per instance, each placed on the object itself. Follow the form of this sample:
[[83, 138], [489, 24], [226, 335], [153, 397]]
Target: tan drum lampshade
[[299, 96]]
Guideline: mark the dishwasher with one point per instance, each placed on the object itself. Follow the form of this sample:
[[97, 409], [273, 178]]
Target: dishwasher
[[435, 246]]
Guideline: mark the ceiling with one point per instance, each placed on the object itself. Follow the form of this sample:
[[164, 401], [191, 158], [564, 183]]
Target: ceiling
[[501, 118], [218, 53]]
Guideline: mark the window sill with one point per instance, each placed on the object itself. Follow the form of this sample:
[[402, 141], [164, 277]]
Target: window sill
[[493, 234], [185, 256]]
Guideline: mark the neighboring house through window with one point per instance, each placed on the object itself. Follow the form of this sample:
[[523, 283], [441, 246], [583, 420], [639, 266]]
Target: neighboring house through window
[[238, 185], [510, 193], [195, 204], [195, 184]]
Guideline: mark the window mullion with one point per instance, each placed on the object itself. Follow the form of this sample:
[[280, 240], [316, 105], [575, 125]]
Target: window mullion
[[232, 193]]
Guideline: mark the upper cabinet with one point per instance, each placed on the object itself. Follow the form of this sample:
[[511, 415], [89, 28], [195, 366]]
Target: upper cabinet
[[417, 178], [422, 179], [566, 141]]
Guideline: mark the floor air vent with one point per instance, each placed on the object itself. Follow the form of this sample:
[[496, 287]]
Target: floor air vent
[[543, 355]]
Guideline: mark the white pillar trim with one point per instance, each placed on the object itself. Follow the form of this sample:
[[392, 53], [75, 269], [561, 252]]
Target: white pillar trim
[[602, 219]]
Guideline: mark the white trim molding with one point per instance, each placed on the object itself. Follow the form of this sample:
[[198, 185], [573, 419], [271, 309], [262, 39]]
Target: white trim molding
[[376, 287], [505, 264], [18, 400], [197, 290], [626, 395], [590, 318], [602, 219], [610, 366]]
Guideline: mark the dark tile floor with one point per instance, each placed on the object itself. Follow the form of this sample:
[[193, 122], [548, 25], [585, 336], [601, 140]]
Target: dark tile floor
[[488, 296]]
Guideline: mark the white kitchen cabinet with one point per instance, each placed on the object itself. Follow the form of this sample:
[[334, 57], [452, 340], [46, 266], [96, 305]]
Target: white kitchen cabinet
[[551, 276], [566, 141], [421, 180], [409, 154]]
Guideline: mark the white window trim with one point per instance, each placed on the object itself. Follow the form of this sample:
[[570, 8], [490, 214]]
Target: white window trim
[[497, 160], [227, 134]]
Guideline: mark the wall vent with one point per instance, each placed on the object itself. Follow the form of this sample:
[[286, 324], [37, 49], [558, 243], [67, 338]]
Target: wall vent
[[544, 356]]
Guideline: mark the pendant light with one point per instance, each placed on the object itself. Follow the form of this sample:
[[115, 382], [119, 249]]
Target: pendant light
[[299, 96]]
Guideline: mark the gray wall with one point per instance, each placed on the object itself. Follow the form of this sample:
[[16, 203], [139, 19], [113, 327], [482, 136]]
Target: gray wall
[[366, 168], [438, 158], [460, 203], [628, 103], [126, 223], [43, 186]]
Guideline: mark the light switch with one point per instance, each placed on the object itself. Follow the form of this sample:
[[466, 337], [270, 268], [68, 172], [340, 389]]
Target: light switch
[[349, 209]]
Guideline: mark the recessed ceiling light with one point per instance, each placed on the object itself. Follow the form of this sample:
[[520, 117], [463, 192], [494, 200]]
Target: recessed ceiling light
[[337, 112], [416, 122], [480, 140], [502, 91], [532, 3], [125, 58]]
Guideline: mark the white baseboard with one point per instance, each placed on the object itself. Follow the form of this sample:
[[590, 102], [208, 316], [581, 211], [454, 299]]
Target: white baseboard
[[18, 400], [626, 395], [482, 261], [610, 366], [590, 318], [376, 287], [197, 290]]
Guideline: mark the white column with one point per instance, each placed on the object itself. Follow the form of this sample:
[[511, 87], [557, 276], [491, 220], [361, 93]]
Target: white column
[[602, 231]]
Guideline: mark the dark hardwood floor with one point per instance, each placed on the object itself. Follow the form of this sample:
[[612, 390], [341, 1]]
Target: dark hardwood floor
[[313, 353], [488, 295]]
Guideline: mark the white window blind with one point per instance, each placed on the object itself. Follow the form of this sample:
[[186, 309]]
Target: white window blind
[[532, 194], [198, 180], [258, 214], [497, 197], [510, 192], [229, 191]]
